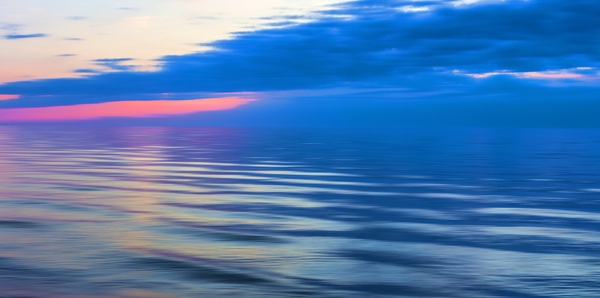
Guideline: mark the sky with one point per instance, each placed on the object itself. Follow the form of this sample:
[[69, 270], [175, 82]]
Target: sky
[[316, 63]]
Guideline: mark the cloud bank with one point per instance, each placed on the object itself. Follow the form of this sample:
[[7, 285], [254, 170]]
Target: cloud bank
[[369, 40], [456, 47]]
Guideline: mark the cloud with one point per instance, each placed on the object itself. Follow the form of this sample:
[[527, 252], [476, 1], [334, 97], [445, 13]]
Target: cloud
[[368, 43], [11, 27], [113, 60], [86, 70], [278, 24], [284, 17], [73, 38], [21, 36], [115, 64], [66, 55]]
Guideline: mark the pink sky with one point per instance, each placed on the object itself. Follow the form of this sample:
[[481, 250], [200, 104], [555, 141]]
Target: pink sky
[[8, 96], [121, 109]]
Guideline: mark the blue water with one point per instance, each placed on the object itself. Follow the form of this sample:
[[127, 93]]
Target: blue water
[[246, 212]]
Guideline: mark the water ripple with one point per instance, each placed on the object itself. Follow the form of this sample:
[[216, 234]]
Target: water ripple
[[221, 212]]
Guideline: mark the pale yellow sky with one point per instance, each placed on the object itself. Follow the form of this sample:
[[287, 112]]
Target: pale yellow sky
[[139, 29]]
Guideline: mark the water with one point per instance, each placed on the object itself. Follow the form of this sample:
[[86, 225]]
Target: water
[[222, 212]]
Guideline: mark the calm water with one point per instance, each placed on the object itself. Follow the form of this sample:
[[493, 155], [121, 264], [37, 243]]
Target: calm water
[[228, 212]]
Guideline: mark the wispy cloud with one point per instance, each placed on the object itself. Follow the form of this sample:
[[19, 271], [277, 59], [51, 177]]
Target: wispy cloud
[[86, 70], [21, 36], [113, 60], [115, 64], [11, 27]]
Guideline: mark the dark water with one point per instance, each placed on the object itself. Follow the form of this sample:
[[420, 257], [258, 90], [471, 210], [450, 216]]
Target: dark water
[[227, 212]]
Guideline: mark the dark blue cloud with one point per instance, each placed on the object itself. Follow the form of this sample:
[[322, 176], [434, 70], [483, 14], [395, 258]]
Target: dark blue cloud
[[368, 43], [21, 36]]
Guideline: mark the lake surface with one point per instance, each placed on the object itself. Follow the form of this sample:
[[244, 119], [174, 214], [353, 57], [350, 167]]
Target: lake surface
[[245, 212]]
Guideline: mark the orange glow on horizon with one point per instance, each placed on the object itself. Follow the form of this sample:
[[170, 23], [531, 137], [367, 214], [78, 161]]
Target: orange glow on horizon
[[121, 109], [8, 96]]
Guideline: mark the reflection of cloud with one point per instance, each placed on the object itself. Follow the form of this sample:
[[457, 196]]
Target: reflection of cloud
[[121, 109]]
